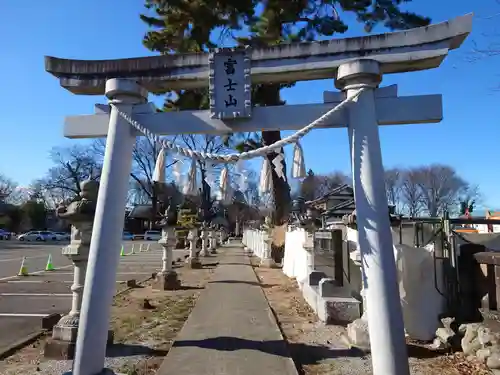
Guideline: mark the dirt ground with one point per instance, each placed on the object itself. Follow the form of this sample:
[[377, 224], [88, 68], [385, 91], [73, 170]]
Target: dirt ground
[[144, 321], [318, 349]]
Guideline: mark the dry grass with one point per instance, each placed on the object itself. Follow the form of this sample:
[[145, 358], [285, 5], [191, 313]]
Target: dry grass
[[156, 327], [319, 350]]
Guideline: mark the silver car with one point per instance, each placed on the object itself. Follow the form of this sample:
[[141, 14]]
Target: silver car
[[37, 235]]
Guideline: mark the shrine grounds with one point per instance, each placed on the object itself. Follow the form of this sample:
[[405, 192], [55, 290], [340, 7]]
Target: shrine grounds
[[146, 322], [26, 300]]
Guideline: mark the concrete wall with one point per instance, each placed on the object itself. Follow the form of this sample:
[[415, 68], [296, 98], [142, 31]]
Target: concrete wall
[[420, 300]]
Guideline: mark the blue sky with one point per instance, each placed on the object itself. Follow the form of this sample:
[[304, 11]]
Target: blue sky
[[34, 105]]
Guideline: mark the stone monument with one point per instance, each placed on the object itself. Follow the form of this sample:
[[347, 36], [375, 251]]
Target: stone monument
[[212, 239], [267, 259], [167, 278], [193, 260], [205, 248], [80, 214]]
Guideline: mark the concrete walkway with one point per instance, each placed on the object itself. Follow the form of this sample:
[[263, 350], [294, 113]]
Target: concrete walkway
[[231, 330]]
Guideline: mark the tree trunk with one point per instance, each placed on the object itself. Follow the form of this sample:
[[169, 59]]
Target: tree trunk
[[266, 95], [281, 194], [205, 197], [281, 188]]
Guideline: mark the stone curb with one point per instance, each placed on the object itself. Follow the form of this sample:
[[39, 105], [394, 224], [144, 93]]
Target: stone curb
[[18, 345], [293, 365], [22, 343]]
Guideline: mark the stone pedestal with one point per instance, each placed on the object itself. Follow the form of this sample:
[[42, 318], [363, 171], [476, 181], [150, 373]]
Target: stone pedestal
[[221, 237], [212, 242], [194, 263], [63, 347], [167, 279], [205, 250], [267, 261], [193, 260], [62, 344]]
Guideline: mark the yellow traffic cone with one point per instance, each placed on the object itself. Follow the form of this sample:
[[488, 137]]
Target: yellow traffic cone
[[133, 249], [147, 248], [122, 252], [23, 271], [140, 248], [49, 266]]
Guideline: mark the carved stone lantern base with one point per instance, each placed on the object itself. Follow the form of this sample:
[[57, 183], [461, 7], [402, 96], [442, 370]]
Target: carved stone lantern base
[[62, 344], [194, 263], [166, 281]]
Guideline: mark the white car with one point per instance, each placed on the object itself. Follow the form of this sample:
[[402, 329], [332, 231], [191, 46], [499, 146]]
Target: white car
[[152, 235], [38, 235]]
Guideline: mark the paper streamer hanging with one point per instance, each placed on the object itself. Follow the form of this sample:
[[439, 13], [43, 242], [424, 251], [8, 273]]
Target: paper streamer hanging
[[191, 186], [159, 171], [177, 173], [298, 163], [209, 176], [265, 183], [224, 185]]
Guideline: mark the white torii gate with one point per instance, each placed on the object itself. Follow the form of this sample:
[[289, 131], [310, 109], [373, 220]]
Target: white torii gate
[[354, 63]]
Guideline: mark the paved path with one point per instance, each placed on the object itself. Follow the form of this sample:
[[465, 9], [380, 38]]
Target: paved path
[[24, 301], [231, 330]]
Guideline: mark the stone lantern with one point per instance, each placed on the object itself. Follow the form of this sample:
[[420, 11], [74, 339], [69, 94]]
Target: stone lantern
[[167, 278], [80, 214], [193, 260]]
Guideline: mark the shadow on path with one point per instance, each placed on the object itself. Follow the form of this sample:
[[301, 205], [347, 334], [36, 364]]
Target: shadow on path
[[254, 283], [128, 350], [305, 354]]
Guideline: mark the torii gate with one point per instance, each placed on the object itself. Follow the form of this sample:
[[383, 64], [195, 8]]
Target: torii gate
[[354, 63]]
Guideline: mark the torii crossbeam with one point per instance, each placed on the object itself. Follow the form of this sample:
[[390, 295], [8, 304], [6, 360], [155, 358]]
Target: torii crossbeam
[[354, 63]]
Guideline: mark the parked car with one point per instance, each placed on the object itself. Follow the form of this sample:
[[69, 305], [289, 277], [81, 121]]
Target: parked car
[[152, 235], [136, 237], [38, 235], [4, 235], [62, 236], [127, 236]]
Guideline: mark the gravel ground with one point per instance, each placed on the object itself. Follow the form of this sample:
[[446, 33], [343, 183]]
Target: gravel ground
[[319, 349]]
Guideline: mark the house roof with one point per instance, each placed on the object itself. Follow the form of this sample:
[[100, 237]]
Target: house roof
[[141, 211], [345, 188], [348, 205], [343, 192]]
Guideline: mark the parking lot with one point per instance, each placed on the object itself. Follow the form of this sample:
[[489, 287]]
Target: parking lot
[[25, 300]]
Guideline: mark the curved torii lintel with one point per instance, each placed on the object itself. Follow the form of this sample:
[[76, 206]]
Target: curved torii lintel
[[403, 51]]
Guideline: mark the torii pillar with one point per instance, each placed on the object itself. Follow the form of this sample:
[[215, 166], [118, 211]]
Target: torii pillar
[[385, 319], [108, 226]]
